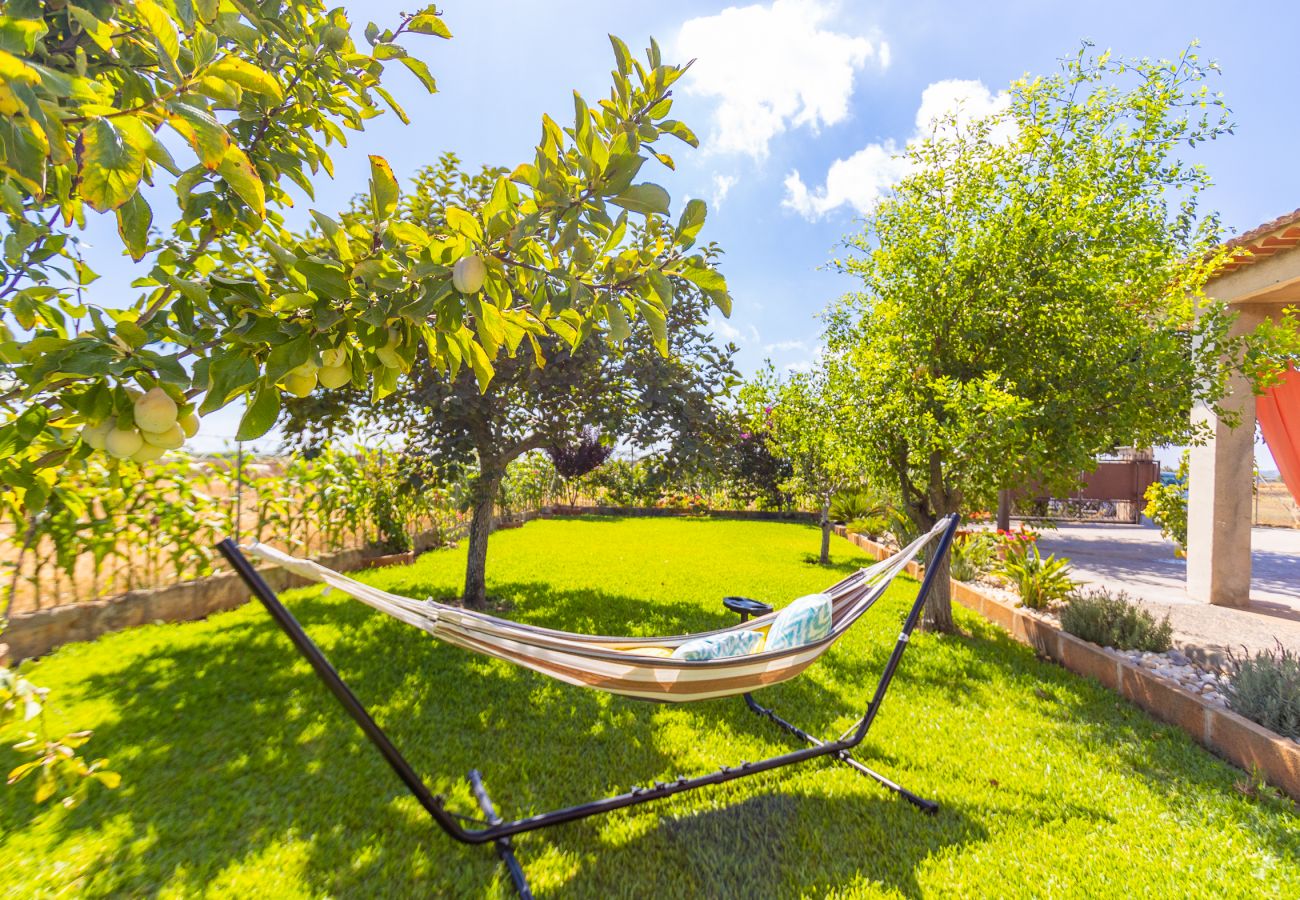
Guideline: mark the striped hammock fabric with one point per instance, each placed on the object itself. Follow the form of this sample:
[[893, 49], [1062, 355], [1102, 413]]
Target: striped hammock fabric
[[630, 666]]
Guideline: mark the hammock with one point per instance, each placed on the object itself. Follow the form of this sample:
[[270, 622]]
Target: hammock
[[630, 666]]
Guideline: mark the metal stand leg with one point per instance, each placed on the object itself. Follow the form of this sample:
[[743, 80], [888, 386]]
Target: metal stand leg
[[843, 756], [504, 848]]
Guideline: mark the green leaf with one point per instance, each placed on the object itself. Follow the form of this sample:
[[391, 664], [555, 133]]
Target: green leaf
[[261, 414], [19, 36], [328, 280], [421, 71], [133, 220], [162, 28], [247, 76], [205, 134], [646, 198], [622, 56], [428, 24], [227, 376], [383, 188], [689, 225], [462, 222], [112, 160], [701, 275], [239, 173], [655, 319], [679, 131]]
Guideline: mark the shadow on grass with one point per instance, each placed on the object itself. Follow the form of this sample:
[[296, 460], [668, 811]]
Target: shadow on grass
[[231, 746], [781, 844]]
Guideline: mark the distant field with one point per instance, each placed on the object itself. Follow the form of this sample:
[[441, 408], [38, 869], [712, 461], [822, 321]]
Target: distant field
[[1274, 505]]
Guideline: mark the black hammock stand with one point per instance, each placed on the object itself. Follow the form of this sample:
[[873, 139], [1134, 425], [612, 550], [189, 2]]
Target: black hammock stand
[[498, 832]]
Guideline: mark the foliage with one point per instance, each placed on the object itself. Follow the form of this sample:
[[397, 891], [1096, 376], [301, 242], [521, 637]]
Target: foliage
[[804, 419], [1167, 507], [137, 526], [961, 721], [626, 482], [529, 483], [659, 385], [577, 457], [53, 762], [751, 472], [1265, 688], [1028, 280], [1040, 581], [973, 553], [857, 503], [568, 245], [872, 526], [1115, 620]]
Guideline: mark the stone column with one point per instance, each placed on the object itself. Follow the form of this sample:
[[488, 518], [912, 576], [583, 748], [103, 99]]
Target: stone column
[[1220, 484]]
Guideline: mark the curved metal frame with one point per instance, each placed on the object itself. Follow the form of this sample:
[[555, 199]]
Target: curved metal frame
[[499, 832]]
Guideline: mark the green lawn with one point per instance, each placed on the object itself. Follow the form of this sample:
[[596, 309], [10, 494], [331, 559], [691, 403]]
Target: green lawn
[[243, 778]]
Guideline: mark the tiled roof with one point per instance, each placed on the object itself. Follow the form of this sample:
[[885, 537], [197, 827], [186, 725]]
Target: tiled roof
[[1282, 233]]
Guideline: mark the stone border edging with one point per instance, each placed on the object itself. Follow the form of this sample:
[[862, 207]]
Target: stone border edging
[[1231, 736], [753, 515]]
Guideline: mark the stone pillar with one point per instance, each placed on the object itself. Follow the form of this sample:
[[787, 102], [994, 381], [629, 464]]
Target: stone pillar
[[1220, 486]]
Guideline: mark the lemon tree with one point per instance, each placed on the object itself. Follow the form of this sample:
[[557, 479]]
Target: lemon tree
[[229, 104]]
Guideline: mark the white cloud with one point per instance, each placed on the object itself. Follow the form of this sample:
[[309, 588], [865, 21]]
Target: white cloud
[[733, 333], [860, 180], [965, 101], [722, 185], [772, 67]]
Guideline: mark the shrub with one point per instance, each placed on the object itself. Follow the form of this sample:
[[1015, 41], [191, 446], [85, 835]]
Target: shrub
[[1265, 688], [1167, 507], [1114, 620], [973, 554], [1040, 580], [855, 504], [873, 526]]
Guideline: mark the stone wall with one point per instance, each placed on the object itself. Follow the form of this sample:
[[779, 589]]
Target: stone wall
[[753, 515], [38, 632]]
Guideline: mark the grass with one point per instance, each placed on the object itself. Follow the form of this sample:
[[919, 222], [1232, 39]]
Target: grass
[[243, 778]]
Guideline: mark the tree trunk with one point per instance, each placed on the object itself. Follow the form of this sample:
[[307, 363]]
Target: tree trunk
[[482, 495], [937, 614], [826, 532], [1004, 510]]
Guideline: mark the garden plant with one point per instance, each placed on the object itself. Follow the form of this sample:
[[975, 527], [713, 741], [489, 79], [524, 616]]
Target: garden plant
[[1069, 787], [1028, 279]]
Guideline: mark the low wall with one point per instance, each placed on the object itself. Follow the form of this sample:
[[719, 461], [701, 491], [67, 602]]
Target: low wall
[[40, 631], [756, 515], [1233, 737]]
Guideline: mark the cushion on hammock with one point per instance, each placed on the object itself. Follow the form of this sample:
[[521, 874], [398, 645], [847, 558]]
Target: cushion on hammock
[[721, 646], [805, 621]]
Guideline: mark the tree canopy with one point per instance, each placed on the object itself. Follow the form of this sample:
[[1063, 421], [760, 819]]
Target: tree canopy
[[97, 102], [656, 383], [1031, 290], [805, 423]]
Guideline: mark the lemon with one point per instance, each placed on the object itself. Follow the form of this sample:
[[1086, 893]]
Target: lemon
[[122, 442], [155, 411], [468, 274], [171, 439]]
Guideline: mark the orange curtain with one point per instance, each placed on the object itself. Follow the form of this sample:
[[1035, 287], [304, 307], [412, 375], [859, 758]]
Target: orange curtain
[[1278, 411]]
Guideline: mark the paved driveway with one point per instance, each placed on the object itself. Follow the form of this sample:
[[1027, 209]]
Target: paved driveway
[[1134, 558]]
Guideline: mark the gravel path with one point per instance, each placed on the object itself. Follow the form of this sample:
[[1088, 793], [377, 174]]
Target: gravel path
[[1135, 559]]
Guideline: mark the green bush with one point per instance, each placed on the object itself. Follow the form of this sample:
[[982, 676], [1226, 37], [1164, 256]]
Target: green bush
[[1167, 507], [1114, 620], [973, 554], [1040, 580], [871, 526], [857, 503], [1265, 688]]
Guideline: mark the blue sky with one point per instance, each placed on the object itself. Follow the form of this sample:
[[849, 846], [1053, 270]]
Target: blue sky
[[800, 85]]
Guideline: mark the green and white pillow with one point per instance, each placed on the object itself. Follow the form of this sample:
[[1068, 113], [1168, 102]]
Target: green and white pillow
[[721, 646], [805, 621]]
